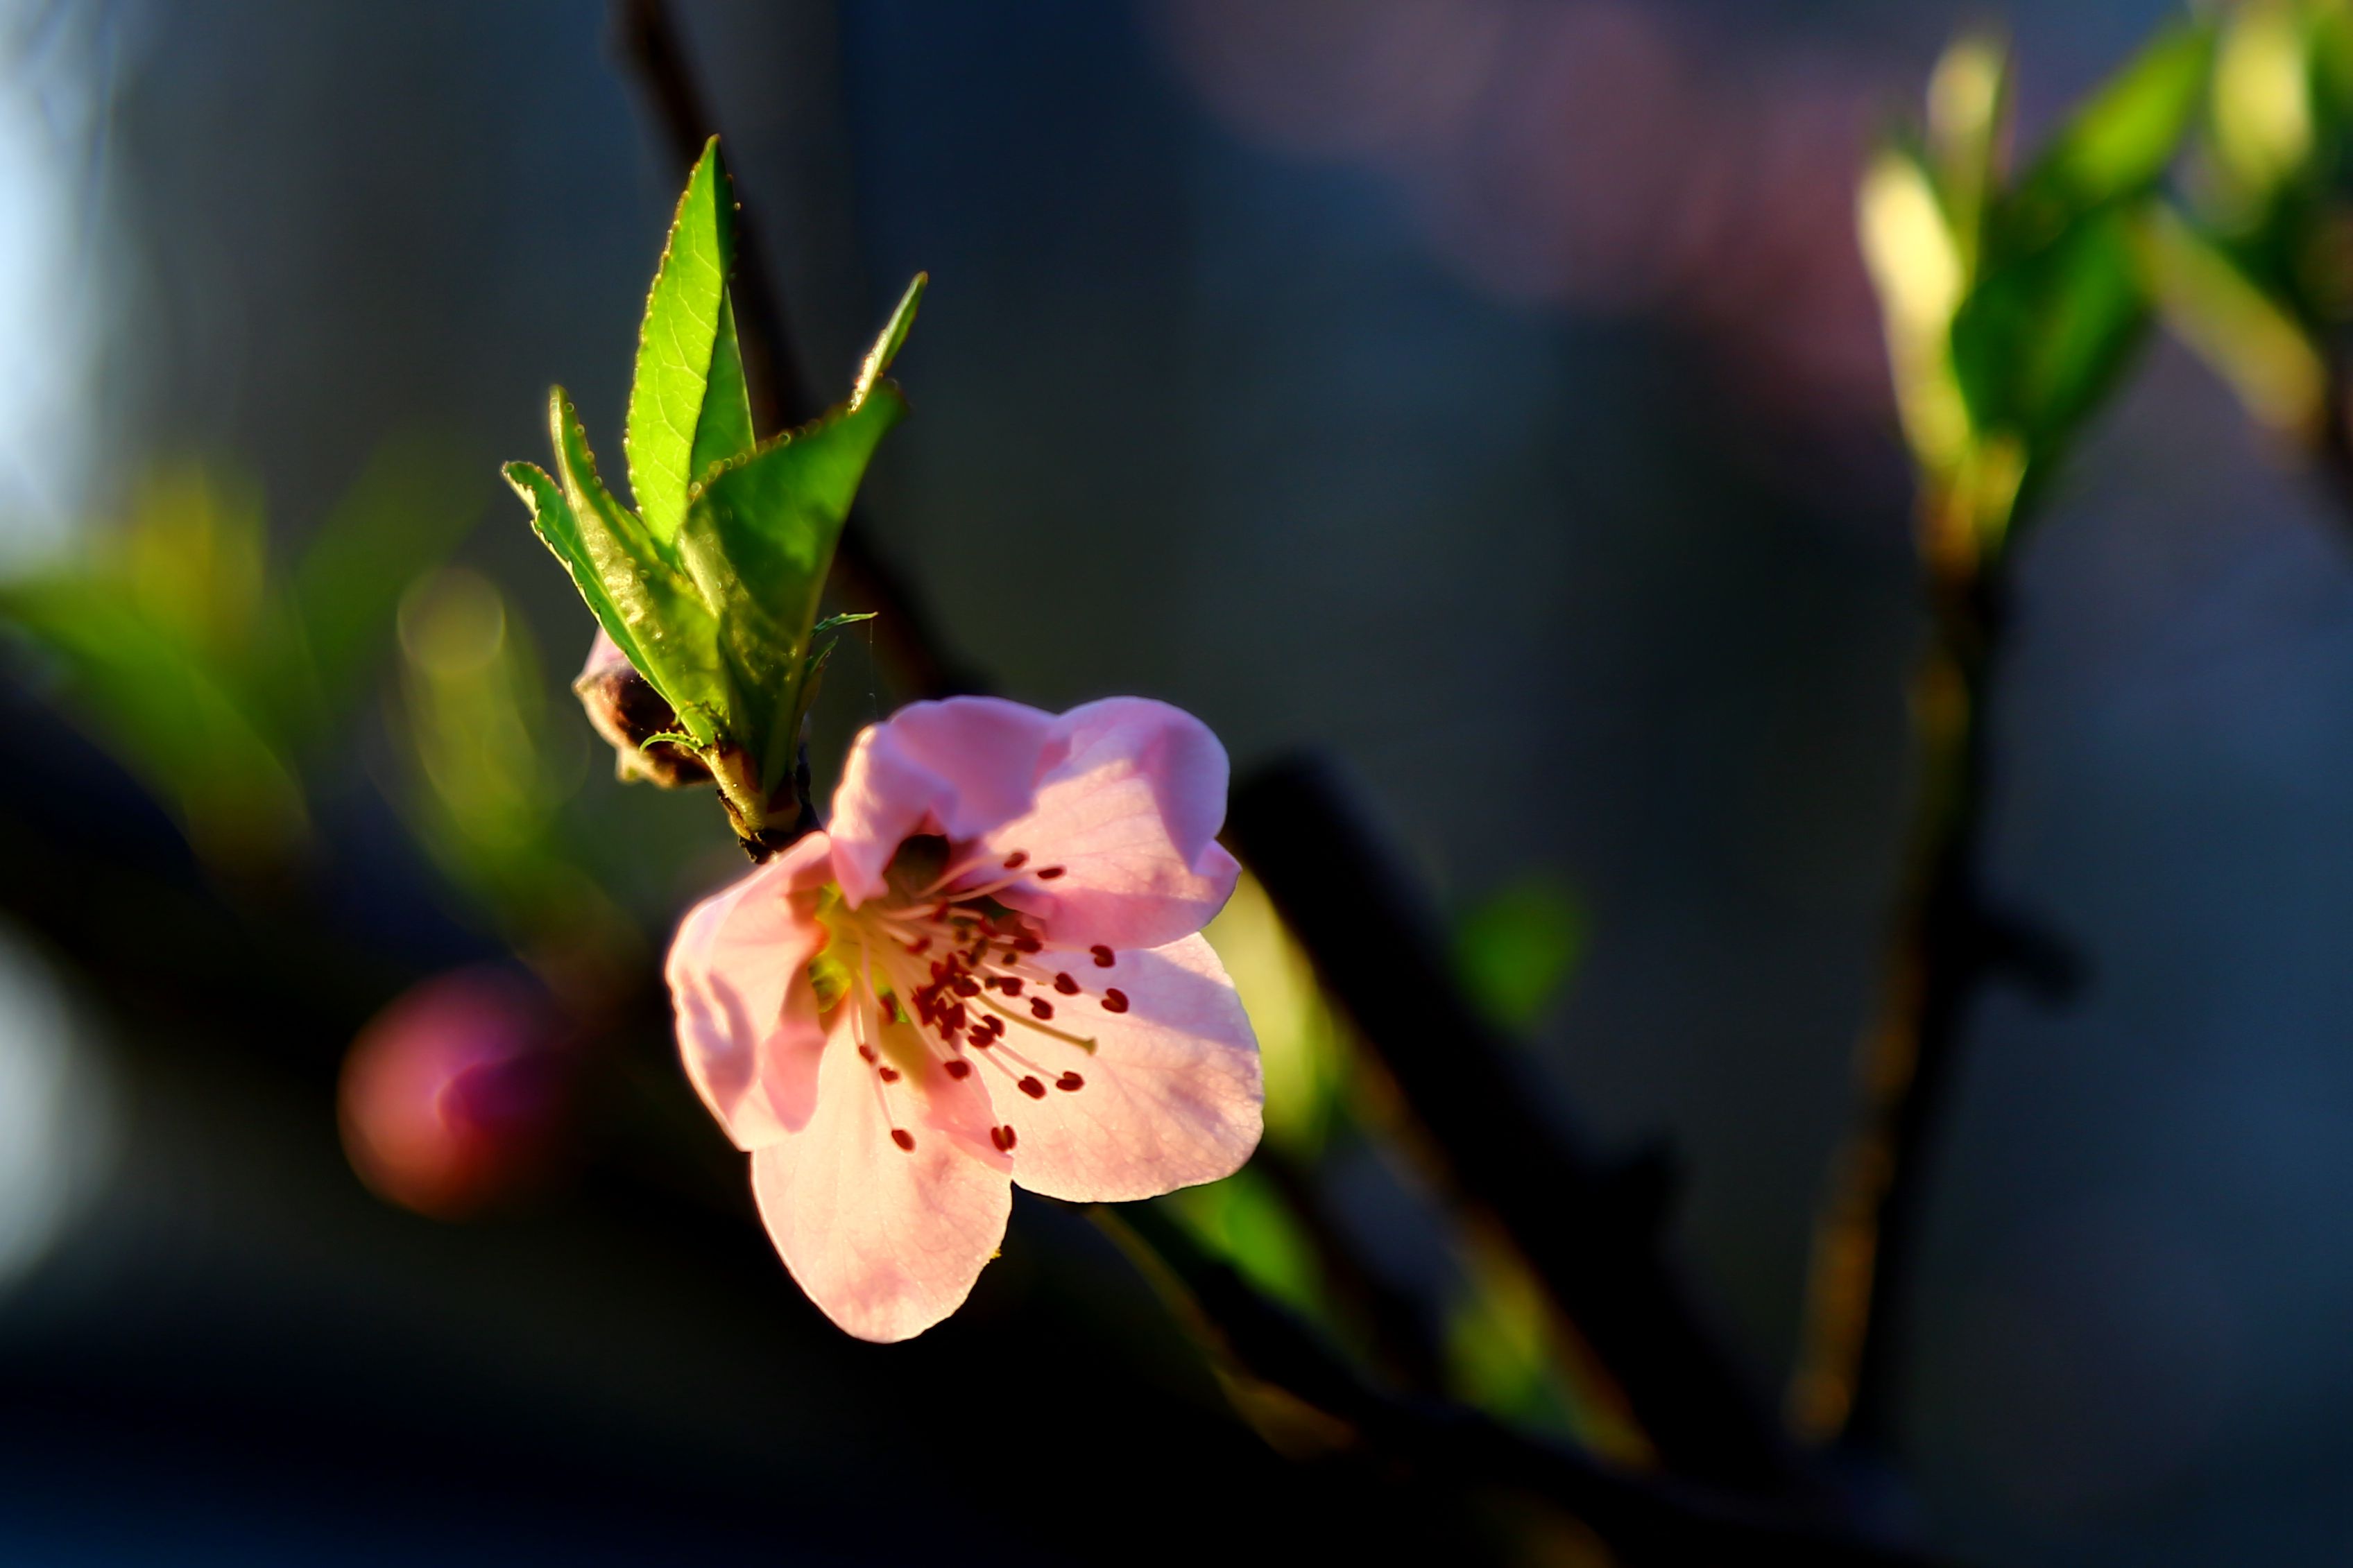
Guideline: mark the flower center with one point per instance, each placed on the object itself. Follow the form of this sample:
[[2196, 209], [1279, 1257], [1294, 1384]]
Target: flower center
[[938, 974]]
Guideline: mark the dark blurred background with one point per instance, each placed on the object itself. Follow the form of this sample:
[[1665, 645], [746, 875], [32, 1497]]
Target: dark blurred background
[[1488, 394]]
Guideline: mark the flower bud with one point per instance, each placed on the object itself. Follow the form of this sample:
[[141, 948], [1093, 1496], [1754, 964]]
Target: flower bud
[[454, 1095], [625, 709]]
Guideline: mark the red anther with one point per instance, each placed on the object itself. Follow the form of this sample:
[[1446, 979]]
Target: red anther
[[920, 946], [1066, 986], [939, 970], [1010, 985], [904, 1139], [890, 1074], [1002, 1137], [1102, 955], [1114, 1000], [954, 1019], [1048, 874], [939, 912], [965, 986], [1041, 1008], [1027, 944], [1033, 1088], [1069, 1081], [959, 1068], [1018, 858], [866, 1051]]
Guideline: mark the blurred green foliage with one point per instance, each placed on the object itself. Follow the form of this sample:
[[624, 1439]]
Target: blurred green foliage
[[489, 783], [1515, 950], [213, 677], [2257, 274], [2012, 305]]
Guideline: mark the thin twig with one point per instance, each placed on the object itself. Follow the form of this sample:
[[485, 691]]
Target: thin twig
[[1948, 938], [1644, 1519], [1588, 1233]]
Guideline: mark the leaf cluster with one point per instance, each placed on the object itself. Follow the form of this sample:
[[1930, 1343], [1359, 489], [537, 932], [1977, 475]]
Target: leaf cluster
[[2013, 301], [711, 586], [2254, 270]]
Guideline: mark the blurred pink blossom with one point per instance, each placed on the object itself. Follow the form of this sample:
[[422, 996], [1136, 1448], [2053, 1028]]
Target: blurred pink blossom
[[453, 1096], [1601, 154], [987, 971]]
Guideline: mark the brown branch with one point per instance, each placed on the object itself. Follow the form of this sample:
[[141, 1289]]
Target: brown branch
[[1947, 941], [1643, 1519], [1587, 1232]]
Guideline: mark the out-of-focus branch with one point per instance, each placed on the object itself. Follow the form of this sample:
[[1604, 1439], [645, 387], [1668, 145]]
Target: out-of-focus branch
[[1588, 1232], [650, 44], [1947, 939], [1644, 1519], [1862, 1242]]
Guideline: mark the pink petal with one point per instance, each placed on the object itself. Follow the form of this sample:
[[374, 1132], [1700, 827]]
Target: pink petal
[[886, 1240], [747, 1017], [1129, 798], [956, 767], [1170, 1096]]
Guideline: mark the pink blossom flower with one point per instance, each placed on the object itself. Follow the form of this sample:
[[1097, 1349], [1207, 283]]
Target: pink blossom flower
[[986, 970]]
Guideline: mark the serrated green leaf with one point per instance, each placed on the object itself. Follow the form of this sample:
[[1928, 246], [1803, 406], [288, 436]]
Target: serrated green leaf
[[758, 540], [685, 310], [724, 432], [2120, 142], [886, 347], [647, 606], [835, 623]]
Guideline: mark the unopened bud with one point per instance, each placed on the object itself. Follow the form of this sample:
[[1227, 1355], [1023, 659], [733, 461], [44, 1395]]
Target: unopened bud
[[625, 709]]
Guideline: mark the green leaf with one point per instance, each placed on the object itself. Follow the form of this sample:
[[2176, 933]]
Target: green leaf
[[886, 347], [724, 432], [2037, 344], [2116, 145], [1920, 274], [2250, 338], [1968, 105], [758, 540], [678, 349], [648, 606]]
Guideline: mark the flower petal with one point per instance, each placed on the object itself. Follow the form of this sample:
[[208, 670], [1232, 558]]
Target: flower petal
[[886, 1240], [747, 1017], [1170, 1096], [1129, 798], [956, 767]]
